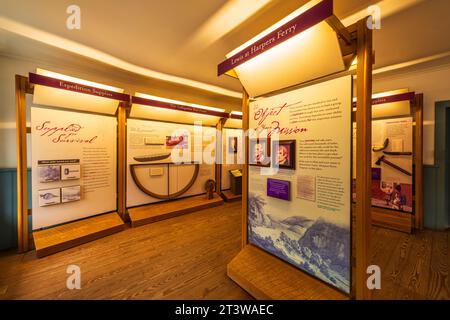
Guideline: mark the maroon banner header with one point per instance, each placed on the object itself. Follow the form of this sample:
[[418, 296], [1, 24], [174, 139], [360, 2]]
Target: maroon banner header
[[306, 20], [409, 96], [177, 107], [76, 87]]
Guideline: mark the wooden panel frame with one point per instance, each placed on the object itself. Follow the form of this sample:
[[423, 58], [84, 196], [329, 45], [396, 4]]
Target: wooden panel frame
[[22, 88], [245, 127], [363, 221], [401, 221], [219, 155], [418, 214], [122, 158]]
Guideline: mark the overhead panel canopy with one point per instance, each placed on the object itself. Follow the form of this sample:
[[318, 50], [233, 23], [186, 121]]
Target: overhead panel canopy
[[58, 90], [395, 103], [299, 48], [161, 109]]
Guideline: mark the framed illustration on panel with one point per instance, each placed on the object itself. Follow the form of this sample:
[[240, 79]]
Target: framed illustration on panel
[[283, 154], [232, 144], [49, 173], [49, 197], [70, 194], [259, 152], [180, 141]]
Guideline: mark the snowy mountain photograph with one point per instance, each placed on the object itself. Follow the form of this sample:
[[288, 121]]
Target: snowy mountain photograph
[[318, 247]]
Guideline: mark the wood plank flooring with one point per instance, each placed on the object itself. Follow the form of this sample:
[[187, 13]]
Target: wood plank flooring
[[413, 266], [186, 258], [180, 258]]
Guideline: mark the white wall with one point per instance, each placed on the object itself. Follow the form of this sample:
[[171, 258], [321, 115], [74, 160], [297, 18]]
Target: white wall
[[434, 83], [8, 148]]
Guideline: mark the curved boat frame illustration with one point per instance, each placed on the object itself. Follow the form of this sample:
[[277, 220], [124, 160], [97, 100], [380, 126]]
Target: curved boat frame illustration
[[163, 196]]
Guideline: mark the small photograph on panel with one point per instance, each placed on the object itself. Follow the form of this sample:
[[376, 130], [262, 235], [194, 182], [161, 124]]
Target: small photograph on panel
[[180, 141], [49, 173], [284, 154], [259, 152], [232, 144], [70, 171], [49, 197], [306, 187], [70, 194]]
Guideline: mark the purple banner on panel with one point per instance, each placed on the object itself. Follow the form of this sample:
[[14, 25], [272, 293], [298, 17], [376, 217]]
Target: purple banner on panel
[[306, 20], [279, 189], [76, 87], [409, 96], [376, 174], [178, 107]]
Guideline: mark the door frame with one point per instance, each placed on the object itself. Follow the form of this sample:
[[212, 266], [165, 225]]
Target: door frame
[[441, 157]]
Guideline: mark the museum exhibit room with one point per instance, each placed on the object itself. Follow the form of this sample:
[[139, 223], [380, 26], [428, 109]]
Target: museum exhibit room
[[224, 150]]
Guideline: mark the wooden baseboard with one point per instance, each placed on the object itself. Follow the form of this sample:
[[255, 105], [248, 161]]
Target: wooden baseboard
[[230, 196], [399, 221], [165, 210], [266, 277], [72, 234], [390, 219]]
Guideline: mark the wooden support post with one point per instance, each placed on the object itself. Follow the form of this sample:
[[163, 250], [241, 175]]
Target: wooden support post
[[22, 171], [245, 124], [121, 165], [219, 155], [418, 176], [363, 160]]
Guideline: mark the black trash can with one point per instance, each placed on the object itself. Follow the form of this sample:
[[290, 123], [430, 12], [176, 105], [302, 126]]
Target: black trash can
[[236, 182]]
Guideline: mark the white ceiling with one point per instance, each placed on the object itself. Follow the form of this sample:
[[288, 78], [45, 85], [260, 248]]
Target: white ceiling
[[160, 34], [156, 34]]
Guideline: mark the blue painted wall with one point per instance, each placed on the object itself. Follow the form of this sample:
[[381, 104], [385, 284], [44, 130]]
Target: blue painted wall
[[8, 207], [437, 177]]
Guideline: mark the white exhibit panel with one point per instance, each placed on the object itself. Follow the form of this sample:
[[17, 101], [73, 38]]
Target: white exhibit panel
[[392, 163], [232, 154], [163, 158], [57, 90], [299, 206], [386, 110], [73, 166], [395, 103]]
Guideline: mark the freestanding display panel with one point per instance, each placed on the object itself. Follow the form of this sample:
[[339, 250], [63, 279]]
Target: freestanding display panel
[[314, 41], [171, 158], [397, 144], [301, 211], [74, 161]]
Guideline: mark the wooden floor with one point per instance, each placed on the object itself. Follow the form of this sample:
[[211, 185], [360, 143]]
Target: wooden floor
[[186, 257], [412, 266], [180, 258]]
